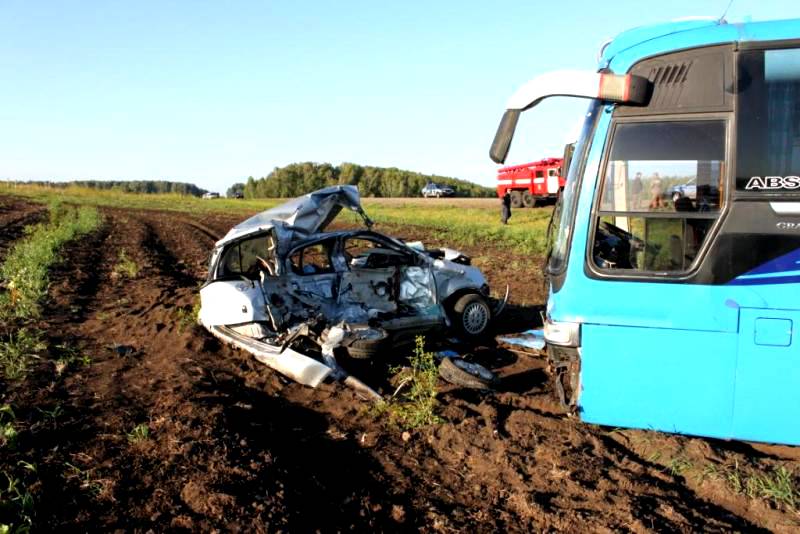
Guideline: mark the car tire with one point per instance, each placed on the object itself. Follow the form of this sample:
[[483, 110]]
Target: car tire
[[466, 374], [472, 315], [676, 197], [516, 199], [366, 349]]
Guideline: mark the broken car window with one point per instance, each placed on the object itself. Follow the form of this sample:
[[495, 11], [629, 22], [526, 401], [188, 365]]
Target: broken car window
[[372, 254], [355, 248], [313, 259], [242, 258]]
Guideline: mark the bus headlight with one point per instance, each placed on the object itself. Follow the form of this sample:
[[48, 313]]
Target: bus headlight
[[562, 333]]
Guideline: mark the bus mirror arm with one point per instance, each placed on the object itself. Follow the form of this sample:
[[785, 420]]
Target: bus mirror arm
[[624, 89]]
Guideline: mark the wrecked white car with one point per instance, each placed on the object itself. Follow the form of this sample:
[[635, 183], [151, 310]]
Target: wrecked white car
[[278, 278]]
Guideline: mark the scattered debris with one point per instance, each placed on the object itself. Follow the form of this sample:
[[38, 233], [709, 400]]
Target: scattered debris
[[123, 350], [531, 339]]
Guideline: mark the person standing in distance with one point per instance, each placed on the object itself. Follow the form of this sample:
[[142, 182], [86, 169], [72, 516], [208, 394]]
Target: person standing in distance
[[505, 207]]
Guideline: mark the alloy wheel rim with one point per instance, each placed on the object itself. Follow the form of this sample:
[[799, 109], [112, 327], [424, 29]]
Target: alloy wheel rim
[[475, 317]]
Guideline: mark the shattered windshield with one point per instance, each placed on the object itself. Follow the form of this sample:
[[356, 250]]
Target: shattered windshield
[[564, 213]]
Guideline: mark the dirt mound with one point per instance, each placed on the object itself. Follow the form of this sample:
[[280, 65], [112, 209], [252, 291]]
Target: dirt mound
[[168, 429]]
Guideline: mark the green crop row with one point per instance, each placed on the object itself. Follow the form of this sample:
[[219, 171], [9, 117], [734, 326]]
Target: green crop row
[[25, 270]]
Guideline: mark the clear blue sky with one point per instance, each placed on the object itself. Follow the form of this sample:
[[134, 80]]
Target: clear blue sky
[[212, 92]]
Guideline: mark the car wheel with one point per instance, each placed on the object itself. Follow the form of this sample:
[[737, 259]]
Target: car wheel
[[516, 199], [466, 374], [471, 315], [676, 197], [368, 348]]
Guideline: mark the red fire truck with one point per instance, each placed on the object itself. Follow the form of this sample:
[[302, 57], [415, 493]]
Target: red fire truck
[[531, 184]]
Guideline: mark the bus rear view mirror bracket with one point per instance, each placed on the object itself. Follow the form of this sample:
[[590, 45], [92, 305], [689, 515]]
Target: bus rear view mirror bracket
[[626, 89]]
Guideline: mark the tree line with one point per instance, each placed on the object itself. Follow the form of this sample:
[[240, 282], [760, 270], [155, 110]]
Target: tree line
[[133, 186], [298, 179]]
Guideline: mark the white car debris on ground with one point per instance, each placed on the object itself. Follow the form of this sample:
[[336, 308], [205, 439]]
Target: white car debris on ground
[[283, 289]]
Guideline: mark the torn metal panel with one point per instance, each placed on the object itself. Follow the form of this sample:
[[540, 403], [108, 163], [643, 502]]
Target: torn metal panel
[[254, 330], [417, 287], [290, 363], [308, 214], [566, 364], [531, 339], [371, 288]]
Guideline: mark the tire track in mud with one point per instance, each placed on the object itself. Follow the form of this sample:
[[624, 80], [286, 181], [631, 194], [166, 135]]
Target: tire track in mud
[[556, 474], [212, 454]]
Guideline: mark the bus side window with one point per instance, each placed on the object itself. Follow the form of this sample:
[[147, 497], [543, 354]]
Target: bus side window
[[662, 189]]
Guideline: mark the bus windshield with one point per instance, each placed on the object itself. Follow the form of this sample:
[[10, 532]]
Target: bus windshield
[[564, 212]]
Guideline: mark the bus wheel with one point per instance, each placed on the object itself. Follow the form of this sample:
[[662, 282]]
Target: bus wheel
[[516, 199], [528, 200]]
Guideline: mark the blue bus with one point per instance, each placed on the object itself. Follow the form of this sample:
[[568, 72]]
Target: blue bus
[[674, 261]]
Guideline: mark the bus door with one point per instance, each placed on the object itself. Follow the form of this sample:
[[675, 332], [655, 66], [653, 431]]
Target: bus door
[[766, 249]]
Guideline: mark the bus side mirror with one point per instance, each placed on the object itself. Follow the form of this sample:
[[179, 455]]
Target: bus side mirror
[[504, 135]]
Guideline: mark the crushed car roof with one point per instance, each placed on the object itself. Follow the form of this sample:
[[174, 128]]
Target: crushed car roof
[[308, 214]]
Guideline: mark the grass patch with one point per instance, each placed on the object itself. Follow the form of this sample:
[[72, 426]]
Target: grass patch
[[140, 433], [70, 357], [777, 486], [414, 403], [16, 503], [84, 479], [679, 465], [17, 351], [188, 316], [25, 269], [126, 267], [8, 430]]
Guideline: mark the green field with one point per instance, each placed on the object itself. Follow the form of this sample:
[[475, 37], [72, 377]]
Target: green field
[[466, 221]]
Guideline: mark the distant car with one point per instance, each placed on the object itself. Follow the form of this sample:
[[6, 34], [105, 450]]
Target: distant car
[[688, 190], [237, 195], [437, 190], [210, 195]]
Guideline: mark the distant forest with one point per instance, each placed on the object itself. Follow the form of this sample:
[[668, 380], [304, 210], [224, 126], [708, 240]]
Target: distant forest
[[300, 178], [134, 186]]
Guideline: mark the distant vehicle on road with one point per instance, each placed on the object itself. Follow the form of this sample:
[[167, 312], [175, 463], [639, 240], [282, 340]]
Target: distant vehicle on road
[[210, 195], [436, 190]]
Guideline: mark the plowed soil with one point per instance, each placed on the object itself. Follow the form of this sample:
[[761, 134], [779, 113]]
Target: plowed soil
[[233, 446]]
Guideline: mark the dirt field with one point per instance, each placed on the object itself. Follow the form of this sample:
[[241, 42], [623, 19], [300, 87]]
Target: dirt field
[[235, 447]]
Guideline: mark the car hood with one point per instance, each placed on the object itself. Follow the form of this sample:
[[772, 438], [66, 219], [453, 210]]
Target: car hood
[[308, 214]]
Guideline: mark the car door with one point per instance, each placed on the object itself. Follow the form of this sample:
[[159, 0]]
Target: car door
[[370, 280], [234, 295], [311, 279]]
